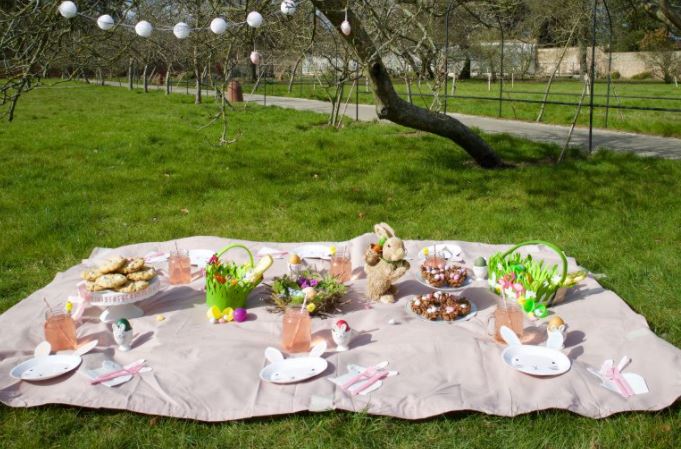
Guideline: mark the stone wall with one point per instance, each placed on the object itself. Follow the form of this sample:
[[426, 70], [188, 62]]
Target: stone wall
[[627, 64]]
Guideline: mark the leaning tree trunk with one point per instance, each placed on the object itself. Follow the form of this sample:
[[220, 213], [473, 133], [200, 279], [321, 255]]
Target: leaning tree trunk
[[390, 106]]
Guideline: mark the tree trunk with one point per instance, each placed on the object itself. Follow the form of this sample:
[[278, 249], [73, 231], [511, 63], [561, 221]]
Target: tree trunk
[[293, 72], [130, 74], [254, 72], [167, 80], [144, 79], [390, 106], [197, 74], [465, 73]]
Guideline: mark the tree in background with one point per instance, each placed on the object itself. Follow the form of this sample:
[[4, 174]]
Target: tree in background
[[661, 54]]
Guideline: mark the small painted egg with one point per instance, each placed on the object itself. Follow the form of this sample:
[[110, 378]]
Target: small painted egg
[[160, 318], [213, 320], [213, 312], [221, 321], [240, 315], [392, 321]]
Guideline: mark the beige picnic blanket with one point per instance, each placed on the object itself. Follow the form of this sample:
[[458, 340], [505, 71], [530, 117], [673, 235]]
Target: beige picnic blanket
[[211, 372]]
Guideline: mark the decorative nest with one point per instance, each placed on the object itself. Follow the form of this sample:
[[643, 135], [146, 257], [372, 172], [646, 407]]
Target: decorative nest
[[444, 275], [324, 293], [440, 305]]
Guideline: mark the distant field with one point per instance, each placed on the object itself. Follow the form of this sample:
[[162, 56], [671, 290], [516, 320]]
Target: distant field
[[648, 122]]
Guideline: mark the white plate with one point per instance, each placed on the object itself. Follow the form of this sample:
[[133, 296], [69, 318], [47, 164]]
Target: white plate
[[200, 257], [469, 280], [313, 251], [293, 369], [471, 314], [536, 360], [43, 368], [451, 252]]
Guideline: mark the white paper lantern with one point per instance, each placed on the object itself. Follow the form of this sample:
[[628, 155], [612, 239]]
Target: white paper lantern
[[218, 25], [105, 22], [68, 9], [256, 57], [288, 7], [345, 28], [181, 30], [254, 19], [143, 28]]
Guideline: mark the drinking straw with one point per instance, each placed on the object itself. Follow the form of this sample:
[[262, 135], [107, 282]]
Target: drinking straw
[[48, 306]]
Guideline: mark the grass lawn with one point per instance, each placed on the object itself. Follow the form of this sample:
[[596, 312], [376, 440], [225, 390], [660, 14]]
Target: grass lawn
[[647, 122], [86, 166]]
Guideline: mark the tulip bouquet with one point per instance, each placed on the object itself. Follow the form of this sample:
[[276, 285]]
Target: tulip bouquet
[[532, 283]]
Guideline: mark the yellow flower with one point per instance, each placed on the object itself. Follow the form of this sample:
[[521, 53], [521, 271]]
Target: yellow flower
[[332, 250], [426, 251], [311, 307], [68, 307]]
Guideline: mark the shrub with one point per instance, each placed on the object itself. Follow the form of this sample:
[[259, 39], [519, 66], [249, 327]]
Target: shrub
[[642, 76]]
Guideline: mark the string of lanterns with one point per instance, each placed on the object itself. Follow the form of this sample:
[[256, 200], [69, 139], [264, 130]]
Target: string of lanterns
[[181, 30]]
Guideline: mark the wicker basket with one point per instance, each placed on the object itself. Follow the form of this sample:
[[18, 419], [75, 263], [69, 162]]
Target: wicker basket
[[223, 295]]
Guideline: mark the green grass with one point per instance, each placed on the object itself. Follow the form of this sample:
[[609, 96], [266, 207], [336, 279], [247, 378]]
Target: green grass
[[647, 122], [85, 166]]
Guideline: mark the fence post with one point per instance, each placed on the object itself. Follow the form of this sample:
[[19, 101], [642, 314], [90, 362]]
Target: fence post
[[593, 75], [357, 96]]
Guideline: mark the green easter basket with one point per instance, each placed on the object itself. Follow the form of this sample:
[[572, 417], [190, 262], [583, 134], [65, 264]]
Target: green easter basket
[[541, 280], [227, 284]]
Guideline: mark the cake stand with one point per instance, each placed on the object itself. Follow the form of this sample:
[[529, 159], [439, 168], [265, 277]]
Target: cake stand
[[122, 305]]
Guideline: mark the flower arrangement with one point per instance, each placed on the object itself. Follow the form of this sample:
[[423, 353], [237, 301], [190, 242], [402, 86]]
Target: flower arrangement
[[321, 293], [531, 283]]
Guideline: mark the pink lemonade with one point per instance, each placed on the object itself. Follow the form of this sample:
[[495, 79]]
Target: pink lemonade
[[341, 268], [296, 333], [510, 316], [60, 331], [179, 267]]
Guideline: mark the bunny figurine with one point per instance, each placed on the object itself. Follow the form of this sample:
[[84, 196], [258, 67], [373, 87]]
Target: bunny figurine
[[384, 264]]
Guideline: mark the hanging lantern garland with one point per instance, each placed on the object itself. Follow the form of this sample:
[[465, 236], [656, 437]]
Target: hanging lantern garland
[[181, 30]]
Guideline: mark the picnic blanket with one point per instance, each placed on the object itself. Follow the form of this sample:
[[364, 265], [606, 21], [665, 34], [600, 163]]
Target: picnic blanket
[[209, 372]]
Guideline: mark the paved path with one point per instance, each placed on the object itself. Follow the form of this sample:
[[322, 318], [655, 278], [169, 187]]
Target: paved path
[[642, 144], [615, 140]]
